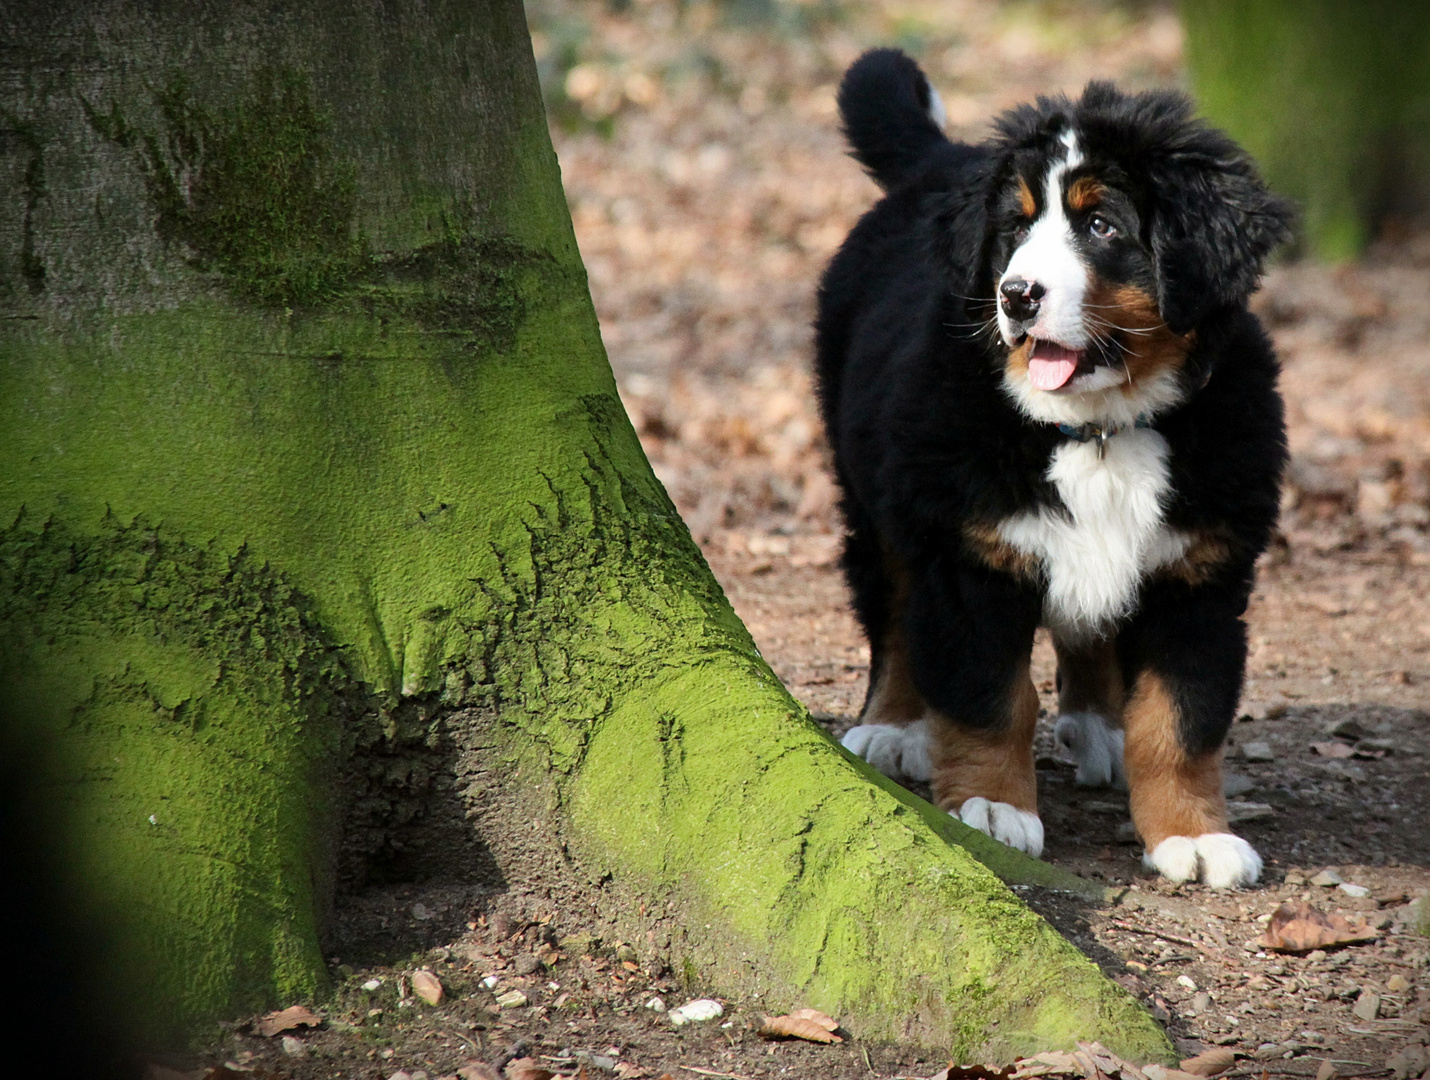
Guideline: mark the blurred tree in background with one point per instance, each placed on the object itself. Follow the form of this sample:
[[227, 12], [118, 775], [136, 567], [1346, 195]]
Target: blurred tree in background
[[1332, 98]]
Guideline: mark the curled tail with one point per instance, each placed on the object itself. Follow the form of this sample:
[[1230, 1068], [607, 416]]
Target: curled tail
[[892, 116]]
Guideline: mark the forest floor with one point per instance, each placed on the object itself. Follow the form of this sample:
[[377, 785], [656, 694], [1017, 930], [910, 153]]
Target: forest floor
[[708, 184]]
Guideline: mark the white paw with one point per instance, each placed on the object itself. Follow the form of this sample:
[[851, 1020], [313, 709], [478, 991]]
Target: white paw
[[1221, 860], [898, 752], [1095, 747], [1005, 822]]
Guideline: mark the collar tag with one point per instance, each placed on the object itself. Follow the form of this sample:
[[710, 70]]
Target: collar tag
[[1090, 431]]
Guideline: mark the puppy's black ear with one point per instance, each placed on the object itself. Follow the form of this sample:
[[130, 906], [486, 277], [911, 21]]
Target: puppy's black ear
[[1213, 224], [961, 234]]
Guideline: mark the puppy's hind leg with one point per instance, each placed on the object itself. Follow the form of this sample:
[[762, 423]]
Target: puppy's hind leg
[[892, 734], [1091, 696]]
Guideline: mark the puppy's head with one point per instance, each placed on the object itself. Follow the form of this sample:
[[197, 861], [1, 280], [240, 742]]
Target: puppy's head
[[1113, 229]]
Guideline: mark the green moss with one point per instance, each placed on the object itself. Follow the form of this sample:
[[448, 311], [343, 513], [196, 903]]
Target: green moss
[[190, 711], [252, 190]]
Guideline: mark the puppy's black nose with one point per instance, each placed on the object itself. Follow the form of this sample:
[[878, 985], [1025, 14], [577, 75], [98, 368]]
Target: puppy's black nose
[[1021, 298]]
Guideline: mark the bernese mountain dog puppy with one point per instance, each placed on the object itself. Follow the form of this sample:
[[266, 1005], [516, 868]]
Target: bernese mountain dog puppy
[[1049, 405]]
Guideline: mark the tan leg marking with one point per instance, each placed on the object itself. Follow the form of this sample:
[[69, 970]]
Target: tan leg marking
[[1173, 793], [1091, 679], [995, 765], [892, 698]]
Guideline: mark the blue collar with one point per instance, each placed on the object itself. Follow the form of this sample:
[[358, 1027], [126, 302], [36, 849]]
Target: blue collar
[[1090, 431]]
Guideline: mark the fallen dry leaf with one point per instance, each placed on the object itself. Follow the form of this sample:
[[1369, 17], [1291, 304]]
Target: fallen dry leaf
[[1090, 1061], [1211, 1062], [626, 1071], [275, 1023], [808, 1024], [1161, 1072], [1335, 749], [474, 1069], [1299, 927], [975, 1072], [427, 986], [527, 1068]]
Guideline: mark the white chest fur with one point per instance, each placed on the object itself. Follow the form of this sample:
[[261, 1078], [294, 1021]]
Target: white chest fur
[[1096, 552]]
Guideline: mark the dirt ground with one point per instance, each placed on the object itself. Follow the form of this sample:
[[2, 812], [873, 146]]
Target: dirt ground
[[708, 185]]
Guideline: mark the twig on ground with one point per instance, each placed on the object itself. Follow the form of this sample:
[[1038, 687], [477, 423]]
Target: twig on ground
[[712, 1072], [458, 1035], [1159, 934]]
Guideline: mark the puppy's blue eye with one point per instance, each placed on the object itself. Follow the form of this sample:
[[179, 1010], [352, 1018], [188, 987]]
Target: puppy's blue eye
[[1101, 228]]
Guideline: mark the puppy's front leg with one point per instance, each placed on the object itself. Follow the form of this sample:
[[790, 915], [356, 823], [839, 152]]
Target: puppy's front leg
[[1191, 660], [986, 777], [970, 632]]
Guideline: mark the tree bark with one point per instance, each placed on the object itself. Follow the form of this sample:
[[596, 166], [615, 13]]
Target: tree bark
[[309, 425], [1332, 99]]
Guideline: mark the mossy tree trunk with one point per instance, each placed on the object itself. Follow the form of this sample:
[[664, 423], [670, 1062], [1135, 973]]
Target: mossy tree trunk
[[307, 419], [1333, 100]]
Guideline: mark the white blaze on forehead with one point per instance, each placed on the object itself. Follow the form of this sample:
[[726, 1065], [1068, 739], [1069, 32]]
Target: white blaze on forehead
[[1049, 257]]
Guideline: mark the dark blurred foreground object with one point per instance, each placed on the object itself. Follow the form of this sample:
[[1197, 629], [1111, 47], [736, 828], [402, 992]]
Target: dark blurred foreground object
[[1333, 100]]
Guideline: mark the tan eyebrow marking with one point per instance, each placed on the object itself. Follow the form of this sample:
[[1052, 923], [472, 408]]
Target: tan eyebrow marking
[[1027, 203], [1085, 193]]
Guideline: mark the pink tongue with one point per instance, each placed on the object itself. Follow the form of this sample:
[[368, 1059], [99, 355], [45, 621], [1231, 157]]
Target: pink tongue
[[1051, 365]]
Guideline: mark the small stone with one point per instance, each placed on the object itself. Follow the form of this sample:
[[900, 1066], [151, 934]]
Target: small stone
[[1186, 981], [625, 952], [512, 999], [1316, 955], [1234, 784], [1266, 1051], [1201, 1002], [1353, 890], [1367, 1007], [1327, 1071], [1257, 751], [1349, 728], [699, 1009], [421, 912], [1238, 811], [656, 1004], [293, 1047], [501, 925], [1326, 878], [491, 981], [1397, 984], [526, 964], [372, 984], [1294, 877], [1126, 833], [427, 986]]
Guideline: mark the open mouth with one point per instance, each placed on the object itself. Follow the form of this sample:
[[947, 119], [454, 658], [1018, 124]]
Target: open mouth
[[1052, 366]]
